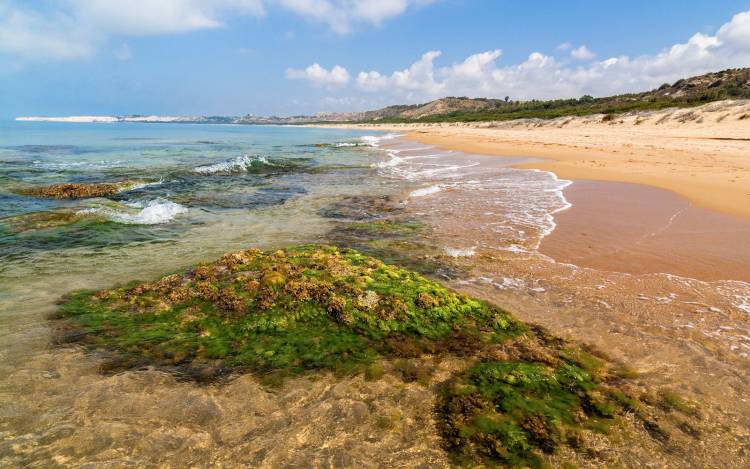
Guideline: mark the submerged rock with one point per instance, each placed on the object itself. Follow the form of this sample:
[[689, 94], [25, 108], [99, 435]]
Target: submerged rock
[[82, 191], [40, 220], [521, 395]]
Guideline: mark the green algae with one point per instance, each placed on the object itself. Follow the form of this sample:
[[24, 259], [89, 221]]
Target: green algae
[[40, 220], [522, 394], [539, 397], [298, 309]]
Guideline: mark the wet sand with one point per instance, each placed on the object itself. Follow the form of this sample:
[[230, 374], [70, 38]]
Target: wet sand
[[643, 230], [700, 153]]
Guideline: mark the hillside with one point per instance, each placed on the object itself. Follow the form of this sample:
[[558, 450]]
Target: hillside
[[726, 84]]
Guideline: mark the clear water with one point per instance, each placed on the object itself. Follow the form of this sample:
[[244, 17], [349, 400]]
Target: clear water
[[207, 190]]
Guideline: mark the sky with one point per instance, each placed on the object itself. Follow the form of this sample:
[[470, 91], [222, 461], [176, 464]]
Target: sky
[[289, 57]]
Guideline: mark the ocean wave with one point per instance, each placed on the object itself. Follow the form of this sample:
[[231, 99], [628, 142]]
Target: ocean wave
[[374, 140], [241, 164], [153, 212]]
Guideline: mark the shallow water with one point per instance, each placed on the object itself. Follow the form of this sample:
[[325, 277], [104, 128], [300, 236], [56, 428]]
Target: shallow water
[[676, 331], [215, 189]]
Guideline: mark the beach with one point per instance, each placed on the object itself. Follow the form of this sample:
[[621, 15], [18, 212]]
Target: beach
[[699, 153], [497, 228]]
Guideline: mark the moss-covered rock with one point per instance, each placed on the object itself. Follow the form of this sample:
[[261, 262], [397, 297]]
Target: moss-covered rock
[[292, 310], [80, 190], [40, 220], [509, 411], [522, 394]]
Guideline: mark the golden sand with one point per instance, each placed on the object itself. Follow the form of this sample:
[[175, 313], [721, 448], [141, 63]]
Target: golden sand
[[701, 153]]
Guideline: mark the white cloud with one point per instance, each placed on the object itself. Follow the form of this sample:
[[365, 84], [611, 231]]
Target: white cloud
[[76, 29], [582, 53], [123, 52], [319, 76], [564, 46], [542, 76], [28, 35], [342, 15]]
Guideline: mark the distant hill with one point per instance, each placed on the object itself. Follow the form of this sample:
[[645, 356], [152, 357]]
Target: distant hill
[[727, 84]]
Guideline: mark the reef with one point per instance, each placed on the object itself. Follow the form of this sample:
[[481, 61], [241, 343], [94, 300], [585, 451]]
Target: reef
[[80, 190], [520, 396]]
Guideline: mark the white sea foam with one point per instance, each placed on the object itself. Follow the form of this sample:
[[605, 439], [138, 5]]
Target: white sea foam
[[77, 164], [154, 212], [429, 190], [236, 165], [458, 252], [374, 140]]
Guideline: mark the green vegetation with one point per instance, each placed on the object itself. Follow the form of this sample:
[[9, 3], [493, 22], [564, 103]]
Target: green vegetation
[[547, 110], [695, 91], [298, 309], [513, 410], [523, 394]]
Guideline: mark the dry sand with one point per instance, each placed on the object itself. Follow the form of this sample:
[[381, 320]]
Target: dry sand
[[701, 153]]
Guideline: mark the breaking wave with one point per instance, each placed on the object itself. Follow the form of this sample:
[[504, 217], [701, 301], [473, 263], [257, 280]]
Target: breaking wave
[[154, 212], [241, 164]]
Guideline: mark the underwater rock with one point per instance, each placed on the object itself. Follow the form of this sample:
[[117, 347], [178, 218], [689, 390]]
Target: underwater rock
[[40, 220], [521, 396], [82, 191], [363, 208]]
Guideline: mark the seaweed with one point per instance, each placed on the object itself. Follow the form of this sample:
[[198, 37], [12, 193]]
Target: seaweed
[[289, 311]]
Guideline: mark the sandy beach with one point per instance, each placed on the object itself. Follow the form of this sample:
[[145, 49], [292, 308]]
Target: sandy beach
[[699, 153]]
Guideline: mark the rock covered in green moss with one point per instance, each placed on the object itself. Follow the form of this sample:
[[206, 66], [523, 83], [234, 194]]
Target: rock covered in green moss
[[537, 397], [81, 190], [309, 307]]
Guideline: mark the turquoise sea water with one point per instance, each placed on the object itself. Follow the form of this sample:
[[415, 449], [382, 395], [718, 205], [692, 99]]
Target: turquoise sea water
[[191, 177], [203, 190]]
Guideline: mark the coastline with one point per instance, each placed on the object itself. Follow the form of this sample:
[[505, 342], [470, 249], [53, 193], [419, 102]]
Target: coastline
[[699, 153]]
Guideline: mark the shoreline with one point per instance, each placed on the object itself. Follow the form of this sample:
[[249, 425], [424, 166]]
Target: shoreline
[[699, 153]]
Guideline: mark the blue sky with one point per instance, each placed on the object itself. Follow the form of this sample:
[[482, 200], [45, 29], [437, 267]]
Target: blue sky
[[231, 57]]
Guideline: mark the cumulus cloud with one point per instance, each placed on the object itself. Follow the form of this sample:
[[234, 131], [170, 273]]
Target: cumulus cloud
[[319, 76], [342, 15], [543, 76], [76, 29], [582, 53]]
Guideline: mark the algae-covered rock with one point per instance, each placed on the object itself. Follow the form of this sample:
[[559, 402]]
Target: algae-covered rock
[[520, 396], [298, 309], [514, 411], [40, 220], [82, 191]]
